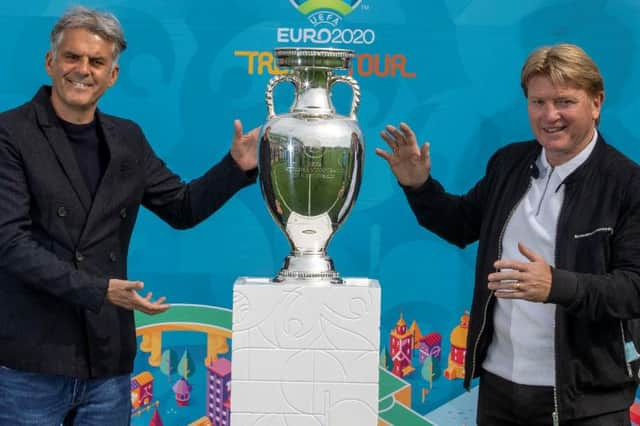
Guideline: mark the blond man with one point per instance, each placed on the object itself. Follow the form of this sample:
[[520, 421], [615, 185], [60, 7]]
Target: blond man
[[554, 327]]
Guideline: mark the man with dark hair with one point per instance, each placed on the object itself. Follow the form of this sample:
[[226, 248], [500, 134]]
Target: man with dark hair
[[554, 327], [72, 180]]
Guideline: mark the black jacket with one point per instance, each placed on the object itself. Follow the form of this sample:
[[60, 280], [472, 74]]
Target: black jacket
[[596, 279], [58, 247]]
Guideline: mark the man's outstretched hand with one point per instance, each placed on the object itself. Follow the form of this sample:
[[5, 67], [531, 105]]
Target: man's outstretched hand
[[125, 294]]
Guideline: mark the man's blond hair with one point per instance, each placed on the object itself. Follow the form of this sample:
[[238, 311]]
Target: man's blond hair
[[564, 65]]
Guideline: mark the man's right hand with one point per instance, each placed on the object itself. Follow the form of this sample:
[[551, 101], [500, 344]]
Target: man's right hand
[[244, 147], [125, 294], [410, 164]]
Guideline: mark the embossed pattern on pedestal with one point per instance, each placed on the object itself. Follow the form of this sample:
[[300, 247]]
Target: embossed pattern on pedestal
[[305, 355]]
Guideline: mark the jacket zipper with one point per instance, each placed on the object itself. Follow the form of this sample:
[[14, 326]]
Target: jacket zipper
[[556, 413], [475, 344], [491, 294], [544, 192]]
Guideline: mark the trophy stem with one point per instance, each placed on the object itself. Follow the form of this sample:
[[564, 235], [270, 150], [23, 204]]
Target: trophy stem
[[308, 267], [312, 96]]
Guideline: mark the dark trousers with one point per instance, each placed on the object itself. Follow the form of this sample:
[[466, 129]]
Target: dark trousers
[[504, 403]]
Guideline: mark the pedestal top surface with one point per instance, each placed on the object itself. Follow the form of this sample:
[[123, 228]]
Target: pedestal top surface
[[348, 282]]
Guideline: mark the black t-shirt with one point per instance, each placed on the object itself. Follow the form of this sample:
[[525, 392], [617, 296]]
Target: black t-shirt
[[90, 149]]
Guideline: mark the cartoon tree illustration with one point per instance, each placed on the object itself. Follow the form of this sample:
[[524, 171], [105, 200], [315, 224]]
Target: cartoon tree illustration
[[168, 363], [427, 370], [156, 420], [436, 368], [186, 367], [384, 359], [427, 374]]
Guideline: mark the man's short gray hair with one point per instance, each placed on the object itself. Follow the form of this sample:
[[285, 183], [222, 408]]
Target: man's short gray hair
[[103, 24]]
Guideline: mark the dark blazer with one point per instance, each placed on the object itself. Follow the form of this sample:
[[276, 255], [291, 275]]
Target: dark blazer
[[58, 247]]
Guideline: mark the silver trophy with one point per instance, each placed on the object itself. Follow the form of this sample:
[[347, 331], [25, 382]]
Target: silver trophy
[[311, 160]]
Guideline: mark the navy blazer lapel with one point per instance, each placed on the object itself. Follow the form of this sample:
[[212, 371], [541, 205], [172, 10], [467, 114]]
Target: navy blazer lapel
[[60, 144]]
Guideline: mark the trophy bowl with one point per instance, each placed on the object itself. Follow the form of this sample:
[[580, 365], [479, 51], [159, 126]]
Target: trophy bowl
[[310, 160]]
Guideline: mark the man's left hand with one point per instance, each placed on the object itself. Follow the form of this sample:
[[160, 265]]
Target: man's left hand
[[524, 280], [244, 148]]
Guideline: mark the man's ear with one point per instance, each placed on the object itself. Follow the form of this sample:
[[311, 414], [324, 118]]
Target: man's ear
[[48, 63], [115, 72], [596, 104]]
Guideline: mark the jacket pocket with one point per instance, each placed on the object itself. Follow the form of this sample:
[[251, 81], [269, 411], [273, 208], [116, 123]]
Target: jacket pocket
[[593, 249]]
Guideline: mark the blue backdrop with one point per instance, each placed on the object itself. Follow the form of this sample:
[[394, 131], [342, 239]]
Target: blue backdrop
[[450, 68]]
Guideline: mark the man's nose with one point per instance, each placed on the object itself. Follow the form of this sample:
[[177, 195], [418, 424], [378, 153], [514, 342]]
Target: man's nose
[[551, 112], [82, 66]]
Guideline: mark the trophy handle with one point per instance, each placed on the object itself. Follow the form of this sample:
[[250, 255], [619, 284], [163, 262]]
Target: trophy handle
[[268, 96], [355, 102]]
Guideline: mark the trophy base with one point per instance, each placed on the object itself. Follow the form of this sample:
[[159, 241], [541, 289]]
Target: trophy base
[[305, 355], [315, 268]]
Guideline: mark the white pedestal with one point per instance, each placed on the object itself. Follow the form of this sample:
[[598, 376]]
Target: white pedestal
[[305, 354]]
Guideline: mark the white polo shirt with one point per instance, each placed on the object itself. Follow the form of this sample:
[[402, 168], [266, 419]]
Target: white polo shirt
[[522, 348]]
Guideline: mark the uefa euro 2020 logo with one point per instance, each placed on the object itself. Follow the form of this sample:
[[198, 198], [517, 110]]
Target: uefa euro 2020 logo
[[328, 12]]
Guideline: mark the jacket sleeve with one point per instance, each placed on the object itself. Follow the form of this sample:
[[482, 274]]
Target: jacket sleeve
[[184, 205], [21, 255], [615, 293], [455, 218]]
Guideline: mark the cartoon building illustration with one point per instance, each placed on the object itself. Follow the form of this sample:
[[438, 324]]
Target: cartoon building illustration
[[455, 367], [430, 345], [141, 390], [401, 347], [182, 389], [219, 392], [203, 421]]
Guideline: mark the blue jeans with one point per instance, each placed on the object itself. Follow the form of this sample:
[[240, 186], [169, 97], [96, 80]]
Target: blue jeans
[[30, 399]]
